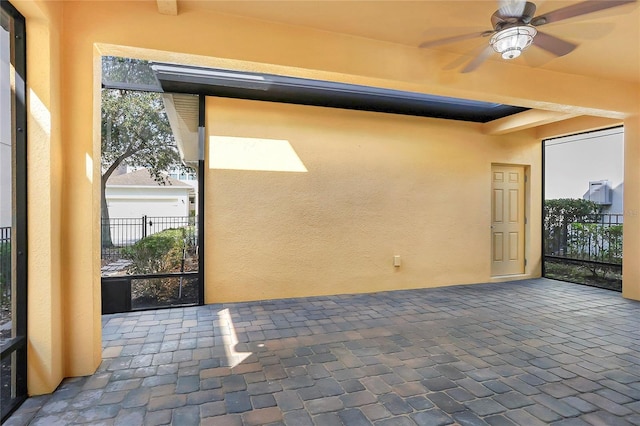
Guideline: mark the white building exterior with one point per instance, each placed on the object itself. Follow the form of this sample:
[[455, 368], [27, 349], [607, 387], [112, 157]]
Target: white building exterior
[[573, 162], [137, 194]]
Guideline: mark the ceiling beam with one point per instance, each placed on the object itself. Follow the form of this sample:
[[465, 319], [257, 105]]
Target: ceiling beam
[[583, 123], [524, 120], [168, 7]]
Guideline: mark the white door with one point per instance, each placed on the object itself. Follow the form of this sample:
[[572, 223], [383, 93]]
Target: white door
[[507, 220]]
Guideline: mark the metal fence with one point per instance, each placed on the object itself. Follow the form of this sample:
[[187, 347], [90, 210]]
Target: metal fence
[[593, 237], [585, 249], [5, 268], [140, 271], [118, 233]]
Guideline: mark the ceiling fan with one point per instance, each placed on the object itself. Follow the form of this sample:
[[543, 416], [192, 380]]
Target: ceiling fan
[[515, 29]]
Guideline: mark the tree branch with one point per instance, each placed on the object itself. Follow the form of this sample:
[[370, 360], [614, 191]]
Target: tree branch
[[126, 154]]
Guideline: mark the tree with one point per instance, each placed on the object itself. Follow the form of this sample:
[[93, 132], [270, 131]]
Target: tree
[[129, 73], [135, 131]]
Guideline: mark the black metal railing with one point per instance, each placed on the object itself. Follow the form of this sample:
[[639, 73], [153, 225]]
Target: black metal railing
[[118, 233], [149, 263], [591, 242], [594, 237]]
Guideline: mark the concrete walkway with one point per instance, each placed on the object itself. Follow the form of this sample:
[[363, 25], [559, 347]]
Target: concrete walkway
[[528, 352]]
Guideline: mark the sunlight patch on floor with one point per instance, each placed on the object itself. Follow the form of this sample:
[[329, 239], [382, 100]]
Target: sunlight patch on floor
[[230, 339]]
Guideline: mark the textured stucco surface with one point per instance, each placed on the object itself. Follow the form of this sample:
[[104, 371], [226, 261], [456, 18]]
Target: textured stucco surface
[[65, 42], [376, 185]]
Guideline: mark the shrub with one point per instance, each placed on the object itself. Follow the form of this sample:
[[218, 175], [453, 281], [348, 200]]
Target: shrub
[[5, 263], [160, 252], [558, 214], [5, 276]]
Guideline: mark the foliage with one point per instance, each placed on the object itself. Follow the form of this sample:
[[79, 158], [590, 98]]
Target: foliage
[[160, 252], [5, 263], [595, 241], [559, 213], [573, 229], [136, 132], [137, 72], [5, 277], [168, 251], [609, 277], [135, 127], [567, 210]]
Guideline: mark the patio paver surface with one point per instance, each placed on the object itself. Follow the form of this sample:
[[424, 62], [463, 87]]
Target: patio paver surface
[[525, 352]]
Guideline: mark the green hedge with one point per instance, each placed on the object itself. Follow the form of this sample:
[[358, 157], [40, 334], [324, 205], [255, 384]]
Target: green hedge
[[160, 252], [5, 275]]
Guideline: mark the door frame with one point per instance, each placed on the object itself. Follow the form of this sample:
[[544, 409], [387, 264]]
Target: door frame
[[116, 290]]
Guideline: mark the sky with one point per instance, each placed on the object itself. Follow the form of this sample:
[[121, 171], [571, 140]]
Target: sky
[[571, 162]]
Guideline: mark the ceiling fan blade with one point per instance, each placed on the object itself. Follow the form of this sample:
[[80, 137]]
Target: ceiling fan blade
[[462, 59], [578, 9], [447, 40], [478, 60], [580, 31], [553, 44]]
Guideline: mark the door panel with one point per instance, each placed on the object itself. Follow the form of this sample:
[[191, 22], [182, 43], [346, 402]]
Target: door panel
[[497, 247], [508, 203], [514, 210], [497, 201], [513, 246]]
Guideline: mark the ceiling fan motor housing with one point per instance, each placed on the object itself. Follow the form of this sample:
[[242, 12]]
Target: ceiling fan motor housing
[[509, 16], [513, 31], [511, 41]]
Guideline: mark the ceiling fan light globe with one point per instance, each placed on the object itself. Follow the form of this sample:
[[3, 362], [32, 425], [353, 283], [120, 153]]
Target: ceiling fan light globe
[[511, 54], [510, 42]]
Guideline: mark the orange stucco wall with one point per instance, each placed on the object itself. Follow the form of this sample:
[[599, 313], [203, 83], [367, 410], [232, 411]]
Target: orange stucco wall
[[631, 240], [372, 186], [45, 321], [66, 39]]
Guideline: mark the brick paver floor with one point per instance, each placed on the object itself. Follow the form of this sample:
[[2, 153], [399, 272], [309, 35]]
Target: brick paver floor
[[527, 352]]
